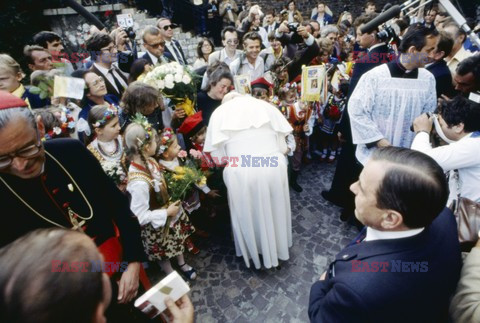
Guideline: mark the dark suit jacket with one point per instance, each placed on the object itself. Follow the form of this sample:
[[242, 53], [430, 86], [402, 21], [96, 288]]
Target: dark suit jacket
[[111, 88], [48, 194], [404, 295], [443, 78], [169, 55], [148, 58]]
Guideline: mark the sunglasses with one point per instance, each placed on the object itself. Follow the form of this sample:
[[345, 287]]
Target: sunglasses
[[167, 27]]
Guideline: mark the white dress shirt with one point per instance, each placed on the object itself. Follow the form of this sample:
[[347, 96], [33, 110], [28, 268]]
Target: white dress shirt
[[373, 234], [462, 155], [254, 71]]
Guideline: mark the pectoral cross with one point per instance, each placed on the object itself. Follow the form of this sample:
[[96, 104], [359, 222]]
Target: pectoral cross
[[73, 220]]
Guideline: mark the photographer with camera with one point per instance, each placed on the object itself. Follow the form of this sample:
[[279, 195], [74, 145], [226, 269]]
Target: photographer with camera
[[296, 39], [458, 122], [228, 12]]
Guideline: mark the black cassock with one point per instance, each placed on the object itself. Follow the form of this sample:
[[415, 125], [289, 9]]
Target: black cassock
[[50, 194]]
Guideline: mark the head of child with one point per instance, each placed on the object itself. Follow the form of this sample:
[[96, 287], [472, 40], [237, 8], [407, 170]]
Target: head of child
[[103, 120], [287, 94], [10, 73], [140, 140], [168, 147], [141, 98], [194, 129]]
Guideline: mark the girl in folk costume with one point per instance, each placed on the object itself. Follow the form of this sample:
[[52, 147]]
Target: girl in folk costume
[[107, 143], [164, 227], [299, 115], [329, 117], [170, 157]]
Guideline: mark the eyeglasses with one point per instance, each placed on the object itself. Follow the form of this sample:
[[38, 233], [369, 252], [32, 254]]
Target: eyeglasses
[[98, 81], [26, 153], [110, 49], [232, 41], [162, 44]]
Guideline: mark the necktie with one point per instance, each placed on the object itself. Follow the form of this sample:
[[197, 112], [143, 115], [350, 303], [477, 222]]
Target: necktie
[[177, 53], [118, 84]]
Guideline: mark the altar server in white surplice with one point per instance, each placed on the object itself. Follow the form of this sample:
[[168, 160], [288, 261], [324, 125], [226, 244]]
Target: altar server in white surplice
[[250, 134], [389, 97]]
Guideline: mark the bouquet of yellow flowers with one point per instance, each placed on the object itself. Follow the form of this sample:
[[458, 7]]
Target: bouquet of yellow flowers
[[182, 179]]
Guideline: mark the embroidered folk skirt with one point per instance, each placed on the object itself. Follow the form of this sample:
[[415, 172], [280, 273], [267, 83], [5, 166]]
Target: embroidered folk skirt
[[158, 247]]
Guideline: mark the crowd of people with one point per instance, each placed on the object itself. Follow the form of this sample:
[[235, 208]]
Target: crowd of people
[[397, 110]]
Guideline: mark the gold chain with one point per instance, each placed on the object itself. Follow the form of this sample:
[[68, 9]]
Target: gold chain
[[71, 213]]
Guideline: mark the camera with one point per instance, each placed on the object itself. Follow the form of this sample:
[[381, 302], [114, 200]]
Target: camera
[[130, 32], [293, 26], [348, 38], [387, 33]]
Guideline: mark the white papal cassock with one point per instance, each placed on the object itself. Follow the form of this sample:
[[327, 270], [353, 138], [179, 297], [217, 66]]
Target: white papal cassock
[[254, 131]]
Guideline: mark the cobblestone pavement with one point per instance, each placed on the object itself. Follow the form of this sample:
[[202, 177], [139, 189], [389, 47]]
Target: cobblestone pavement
[[227, 291]]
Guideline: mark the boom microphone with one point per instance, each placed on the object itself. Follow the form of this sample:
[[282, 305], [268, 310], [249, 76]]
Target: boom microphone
[[380, 19]]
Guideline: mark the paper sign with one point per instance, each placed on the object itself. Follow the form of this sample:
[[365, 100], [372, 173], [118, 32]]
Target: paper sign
[[242, 84], [125, 20], [152, 303], [68, 87]]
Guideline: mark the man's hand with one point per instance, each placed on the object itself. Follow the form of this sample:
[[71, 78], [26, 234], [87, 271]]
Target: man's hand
[[121, 38], [324, 275], [283, 28], [422, 123], [181, 312], [128, 284], [179, 113], [303, 32], [383, 143]]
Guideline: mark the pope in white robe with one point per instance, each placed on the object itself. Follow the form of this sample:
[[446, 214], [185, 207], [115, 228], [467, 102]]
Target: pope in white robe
[[250, 135]]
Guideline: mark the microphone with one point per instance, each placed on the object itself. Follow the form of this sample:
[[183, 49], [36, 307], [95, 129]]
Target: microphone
[[380, 19], [387, 6]]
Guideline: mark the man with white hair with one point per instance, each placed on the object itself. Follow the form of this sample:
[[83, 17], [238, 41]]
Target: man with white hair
[[60, 183]]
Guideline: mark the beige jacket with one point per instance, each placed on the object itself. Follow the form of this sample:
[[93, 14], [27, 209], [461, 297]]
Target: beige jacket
[[465, 305]]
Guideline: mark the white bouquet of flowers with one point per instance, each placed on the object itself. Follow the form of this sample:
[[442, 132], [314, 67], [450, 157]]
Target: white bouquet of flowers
[[115, 171], [176, 82]]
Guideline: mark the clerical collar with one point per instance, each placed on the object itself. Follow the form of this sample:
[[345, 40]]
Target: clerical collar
[[399, 71]]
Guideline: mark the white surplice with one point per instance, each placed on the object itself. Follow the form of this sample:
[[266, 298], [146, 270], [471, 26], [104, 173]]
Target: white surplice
[[382, 106], [258, 194]]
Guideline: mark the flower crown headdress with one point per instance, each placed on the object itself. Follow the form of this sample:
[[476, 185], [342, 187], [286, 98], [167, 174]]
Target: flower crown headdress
[[108, 115], [141, 120], [166, 139]]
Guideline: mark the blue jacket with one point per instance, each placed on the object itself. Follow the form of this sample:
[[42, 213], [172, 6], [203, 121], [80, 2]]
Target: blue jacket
[[327, 19], [415, 284]]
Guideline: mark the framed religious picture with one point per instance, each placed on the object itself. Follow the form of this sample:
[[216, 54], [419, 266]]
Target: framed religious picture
[[242, 84], [312, 82]]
